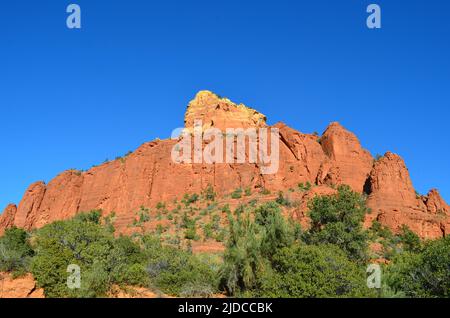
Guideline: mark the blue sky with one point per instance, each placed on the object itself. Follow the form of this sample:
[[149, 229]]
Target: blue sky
[[72, 98]]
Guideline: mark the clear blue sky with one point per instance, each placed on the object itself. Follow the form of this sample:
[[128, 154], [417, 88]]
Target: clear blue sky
[[71, 99]]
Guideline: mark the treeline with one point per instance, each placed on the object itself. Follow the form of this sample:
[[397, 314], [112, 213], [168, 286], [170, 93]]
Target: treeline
[[267, 255]]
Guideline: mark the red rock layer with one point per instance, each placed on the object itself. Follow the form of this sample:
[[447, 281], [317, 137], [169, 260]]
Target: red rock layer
[[394, 201], [349, 163], [148, 176], [22, 287]]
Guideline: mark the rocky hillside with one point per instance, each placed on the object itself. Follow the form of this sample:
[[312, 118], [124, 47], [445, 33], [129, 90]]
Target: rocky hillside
[[148, 176]]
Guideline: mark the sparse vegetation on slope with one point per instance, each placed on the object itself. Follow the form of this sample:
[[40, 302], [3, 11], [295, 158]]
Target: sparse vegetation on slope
[[266, 253]]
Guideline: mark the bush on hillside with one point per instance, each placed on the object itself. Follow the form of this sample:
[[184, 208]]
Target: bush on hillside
[[243, 261], [15, 251], [338, 219], [84, 242], [176, 272], [422, 274], [305, 271]]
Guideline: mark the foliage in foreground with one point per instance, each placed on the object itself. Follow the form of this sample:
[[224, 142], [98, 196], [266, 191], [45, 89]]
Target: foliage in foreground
[[105, 260], [177, 272], [266, 255], [338, 219], [425, 273], [84, 242], [15, 251], [314, 271]]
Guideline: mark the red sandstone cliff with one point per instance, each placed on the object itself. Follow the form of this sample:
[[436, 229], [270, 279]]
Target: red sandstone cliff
[[394, 201], [148, 176]]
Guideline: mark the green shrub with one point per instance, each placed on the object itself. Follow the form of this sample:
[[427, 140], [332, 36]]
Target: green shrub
[[189, 199], [15, 251], [174, 271], [251, 246], [277, 233], [240, 209], [226, 209], [186, 221], [303, 271], [338, 219], [83, 241], [80, 241], [265, 258], [237, 194], [282, 200], [95, 282], [208, 231], [194, 198], [243, 262], [93, 216], [190, 226], [160, 205], [191, 233], [304, 187], [160, 229], [144, 215], [108, 222], [220, 236], [215, 222], [410, 241], [209, 194], [126, 262], [381, 231], [197, 290], [422, 274]]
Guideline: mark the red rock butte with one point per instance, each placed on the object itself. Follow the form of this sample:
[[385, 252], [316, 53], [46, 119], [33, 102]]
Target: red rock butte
[[148, 176]]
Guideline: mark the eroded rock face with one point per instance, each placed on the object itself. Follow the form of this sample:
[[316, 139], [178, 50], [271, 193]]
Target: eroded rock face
[[29, 208], [394, 201], [22, 287], [390, 182], [149, 175], [435, 204], [349, 163], [300, 159], [7, 218]]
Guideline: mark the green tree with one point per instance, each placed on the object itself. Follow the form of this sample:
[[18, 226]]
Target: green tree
[[15, 251], [85, 242], [338, 219], [277, 233], [251, 246], [305, 271], [127, 262], [81, 241], [423, 274], [409, 240], [243, 262], [175, 271]]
